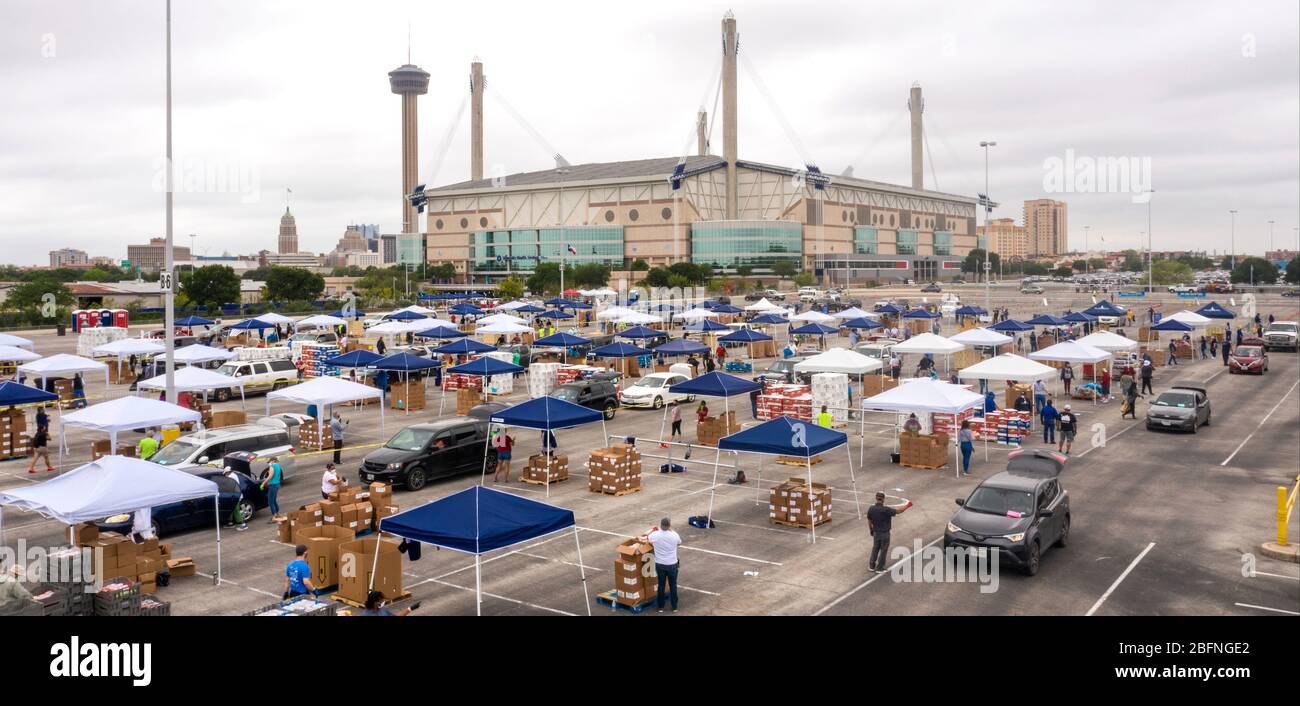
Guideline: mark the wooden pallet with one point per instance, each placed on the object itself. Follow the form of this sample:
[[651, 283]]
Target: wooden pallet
[[799, 525], [620, 493], [610, 599], [799, 462], [923, 467], [354, 604], [542, 482]]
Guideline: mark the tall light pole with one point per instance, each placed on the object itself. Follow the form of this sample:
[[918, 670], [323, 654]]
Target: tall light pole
[[559, 212], [1085, 250], [1151, 257], [169, 265], [988, 206], [1270, 235], [1233, 253]]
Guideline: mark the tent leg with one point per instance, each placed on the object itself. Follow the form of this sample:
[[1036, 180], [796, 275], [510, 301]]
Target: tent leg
[[374, 566], [216, 505], [582, 570], [717, 457], [812, 521], [478, 585], [483, 478], [848, 449], [758, 484]]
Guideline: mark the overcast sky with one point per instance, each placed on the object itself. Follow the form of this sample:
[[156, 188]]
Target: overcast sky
[[276, 94]]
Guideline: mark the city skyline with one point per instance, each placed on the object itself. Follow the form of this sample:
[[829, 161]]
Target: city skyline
[[239, 125]]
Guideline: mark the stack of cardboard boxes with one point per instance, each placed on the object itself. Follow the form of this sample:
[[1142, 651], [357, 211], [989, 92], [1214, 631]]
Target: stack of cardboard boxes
[[63, 388], [310, 437], [228, 418], [1004, 426], [951, 423], [635, 580], [796, 504], [117, 556], [386, 569], [711, 429], [14, 438], [875, 384], [923, 450], [466, 399], [352, 508], [408, 395], [542, 469], [457, 381], [323, 544], [785, 400], [615, 470]]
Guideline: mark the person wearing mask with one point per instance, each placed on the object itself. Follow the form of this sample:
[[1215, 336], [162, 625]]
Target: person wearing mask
[[1047, 414], [966, 440], [375, 606], [677, 420], [1226, 349], [912, 425], [665, 542], [297, 575], [337, 426], [824, 418], [880, 520], [505, 445], [271, 485], [1067, 377], [330, 482], [1022, 404], [1069, 426], [1145, 374]]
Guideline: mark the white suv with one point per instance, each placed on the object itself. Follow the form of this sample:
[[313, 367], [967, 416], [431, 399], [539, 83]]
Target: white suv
[[269, 436], [258, 376]]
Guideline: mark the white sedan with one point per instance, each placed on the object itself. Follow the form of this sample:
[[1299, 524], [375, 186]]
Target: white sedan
[[652, 391]]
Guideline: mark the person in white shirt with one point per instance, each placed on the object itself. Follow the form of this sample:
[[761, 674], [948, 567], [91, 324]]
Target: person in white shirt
[[142, 525], [330, 482], [665, 542]]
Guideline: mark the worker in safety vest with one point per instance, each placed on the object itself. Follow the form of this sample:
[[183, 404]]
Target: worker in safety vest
[[824, 419]]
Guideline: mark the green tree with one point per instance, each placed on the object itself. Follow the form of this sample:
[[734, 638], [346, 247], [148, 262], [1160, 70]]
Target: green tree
[[1097, 263], [511, 288], [1062, 272], [1254, 269], [744, 270], [1293, 270], [258, 273], [1079, 265], [211, 285], [1133, 262], [657, 277], [639, 265], [545, 278], [675, 281], [37, 294], [974, 262], [804, 279], [696, 273], [1034, 269], [442, 272], [293, 284], [784, 269], [1171, 272], [588, 276]]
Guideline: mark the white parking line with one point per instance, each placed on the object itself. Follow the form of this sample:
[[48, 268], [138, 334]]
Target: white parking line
[[872, 580], [1261, 424], [693, 549], [1115, 585], [505, 598], [1272, 610], [1276, 576], [240, 585]]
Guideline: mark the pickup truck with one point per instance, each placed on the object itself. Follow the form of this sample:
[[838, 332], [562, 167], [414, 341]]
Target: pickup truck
[[1282, 334]]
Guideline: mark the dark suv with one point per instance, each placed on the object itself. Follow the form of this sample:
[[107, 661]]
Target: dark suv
[[1018, 513], [600, 395], [782, 371], [421, 452]]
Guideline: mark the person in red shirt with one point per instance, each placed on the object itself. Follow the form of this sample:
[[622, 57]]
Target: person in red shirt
[[504, 444], [722, 354]]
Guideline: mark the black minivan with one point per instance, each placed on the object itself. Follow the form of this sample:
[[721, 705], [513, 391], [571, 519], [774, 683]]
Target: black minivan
[[422, 452]]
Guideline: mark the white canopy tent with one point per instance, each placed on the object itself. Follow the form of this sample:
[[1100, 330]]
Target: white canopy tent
[[839, 360], [613, 313], [108, 486], [813, 316], [416, 308], [1074, 352], [500, 318], [503, 327], [762, 305], [275, 319], [511, 306], [191, 379], [123, 414], [931, 343], [8, 339], [1109, 341], [17, 355], [393, 328], [638, 318], [124, 348], [980, 336], [926, 396], [319, 321], [196, 353], [1190, 318], [851, 313], [1008, 366], [327, 392], [63, 365], [696, 314]]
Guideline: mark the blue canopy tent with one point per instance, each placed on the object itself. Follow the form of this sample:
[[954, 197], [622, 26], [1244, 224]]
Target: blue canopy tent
[[546, 414], [354, 359], [479, 520], [252, 325], [746, 336], [862, 322], [640, 332], [575, 305], [194, 321], [405, 315], [727, 309], [465, 310], [13, 394], [714, 384], [442, 332], [341, 314], [530, 309], [681, 346], [769, 319], [814, 329], [465, 346], [1104, 308], [1214, 310], [1079, 317], [620, 350], [1011, 326], [1047, 320], [705, 326], [888, 308], [786, 436], [970, 310], [555, 314], [1172, 325], [483, 367], [920, 314], [561, 340], [405, 363]]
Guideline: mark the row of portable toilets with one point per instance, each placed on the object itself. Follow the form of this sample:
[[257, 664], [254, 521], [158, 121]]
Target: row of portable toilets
[[96, 318]]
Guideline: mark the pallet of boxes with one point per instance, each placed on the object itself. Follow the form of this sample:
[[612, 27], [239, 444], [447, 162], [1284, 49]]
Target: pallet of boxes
[[129, 571], [710, 429], [328, 526], [543, 469], [635, 582], [408, 395], [15, 441], [467, 398], [923, 450], [615, 470], [795, 503], [310, 436]]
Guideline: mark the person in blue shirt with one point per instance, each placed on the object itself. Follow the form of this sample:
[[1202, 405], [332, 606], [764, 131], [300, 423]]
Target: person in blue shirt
[[271, 484], [1047, 414], [375, 606], [297, 575]]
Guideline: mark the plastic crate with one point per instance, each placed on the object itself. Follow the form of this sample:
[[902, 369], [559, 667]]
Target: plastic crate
[[53, 599], [150, 606], [120, 597]]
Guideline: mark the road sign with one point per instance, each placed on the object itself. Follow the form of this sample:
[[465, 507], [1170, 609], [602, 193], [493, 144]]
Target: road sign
[[164, 281]]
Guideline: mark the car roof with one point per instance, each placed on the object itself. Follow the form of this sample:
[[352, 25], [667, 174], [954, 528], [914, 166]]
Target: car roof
[[1190, 385], [232, 432], [1039, 463], [440, 424], [1014, 481]]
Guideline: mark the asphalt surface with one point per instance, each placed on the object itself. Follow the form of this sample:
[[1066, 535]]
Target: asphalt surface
[[1161, 524]]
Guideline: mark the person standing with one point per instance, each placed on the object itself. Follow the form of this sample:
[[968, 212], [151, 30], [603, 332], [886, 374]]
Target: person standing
[[271, 485], [40, 449], [665, 542], [505, 445], [912, 425], [337, 425], [880, 521], [1226, 350], [824, 418], [1048, 415], [677, 420], [1203, 348], [330, 482], [1022, 404], [1145, 374], [380, 346], [1130, 401], [146, 447], [1069, 427], [722, 354], [1173, 353], [895, 365], [297, 575], [701, 413], [1040, 394], [966, 440], [1067, 377]]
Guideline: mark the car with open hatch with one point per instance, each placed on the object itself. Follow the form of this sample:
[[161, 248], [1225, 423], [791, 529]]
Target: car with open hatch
[[430, 450]]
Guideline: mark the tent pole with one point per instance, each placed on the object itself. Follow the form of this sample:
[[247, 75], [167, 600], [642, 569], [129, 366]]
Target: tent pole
[[758, 484], [374, 566], [717, 457], [812, 522], [582, 570], [486, 441], [848, 449], [478, 585], [216, 505]]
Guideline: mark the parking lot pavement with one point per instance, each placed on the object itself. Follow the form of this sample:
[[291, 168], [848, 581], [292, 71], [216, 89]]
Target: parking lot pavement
[[1166, 491]]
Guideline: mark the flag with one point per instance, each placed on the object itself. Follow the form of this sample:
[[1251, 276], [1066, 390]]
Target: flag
[[572, 251]]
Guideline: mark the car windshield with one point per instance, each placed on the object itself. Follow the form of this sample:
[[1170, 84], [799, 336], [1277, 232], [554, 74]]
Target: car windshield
[[1249, 351], [999, 501], [1175, 399], [304, 337], [409, 439], [650, 382], [781, 367], [228, 369], [568, 394], [174, 453], [1283, 327]]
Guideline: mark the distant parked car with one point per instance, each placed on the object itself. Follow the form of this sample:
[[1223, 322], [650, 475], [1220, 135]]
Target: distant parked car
[[1031, 289], [932, 287], [600, 395]]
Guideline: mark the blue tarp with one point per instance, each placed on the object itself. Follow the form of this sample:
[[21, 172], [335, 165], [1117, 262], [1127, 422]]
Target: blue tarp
[[813, 329], [1171, 325], [619, 350], [970, 311], [466, 310], [441, 332], [478, 520], [1214, 310], [249, 324], [769, 319], [1079, 317], [920, 314], [716, 384], [195, 321], [561, 340], [1047, 320], [784, 436], [1011, 326], [405, 316], [464, 346], [862, 322], [13, 393], [682, 346], [485, 366], [640, 332], [546, 413], [705, 325], [354, 359], [406, 362], [745, 335], [555, 314], [1104, 308]]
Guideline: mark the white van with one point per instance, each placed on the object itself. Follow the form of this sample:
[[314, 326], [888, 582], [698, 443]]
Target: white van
[[269, 436]]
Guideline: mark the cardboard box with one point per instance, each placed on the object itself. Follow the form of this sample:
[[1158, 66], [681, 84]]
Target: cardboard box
[[323, 551], [381, 494], [357, 561], [85, 534], [331, 512], [181, 566], [348, 517], [228, 418], [284, 531]]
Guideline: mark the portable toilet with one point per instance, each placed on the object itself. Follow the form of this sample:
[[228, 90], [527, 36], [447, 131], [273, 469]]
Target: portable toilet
[[105, 317], [121, 318]]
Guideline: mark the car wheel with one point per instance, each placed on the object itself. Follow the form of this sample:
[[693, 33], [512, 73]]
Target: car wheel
[[609, 411], [244, 511], [1207, 420], [222, 395], [1195, 426], [1031, 566], [1064, 539], [278, 385], [659, 403], [416, 478]]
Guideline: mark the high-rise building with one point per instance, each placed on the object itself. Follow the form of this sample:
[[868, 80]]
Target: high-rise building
[[68, 257], [409, 82], [153, 257], [1005, 238], [352, 241], [1046, 225], [288, 243], [388, 248]]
